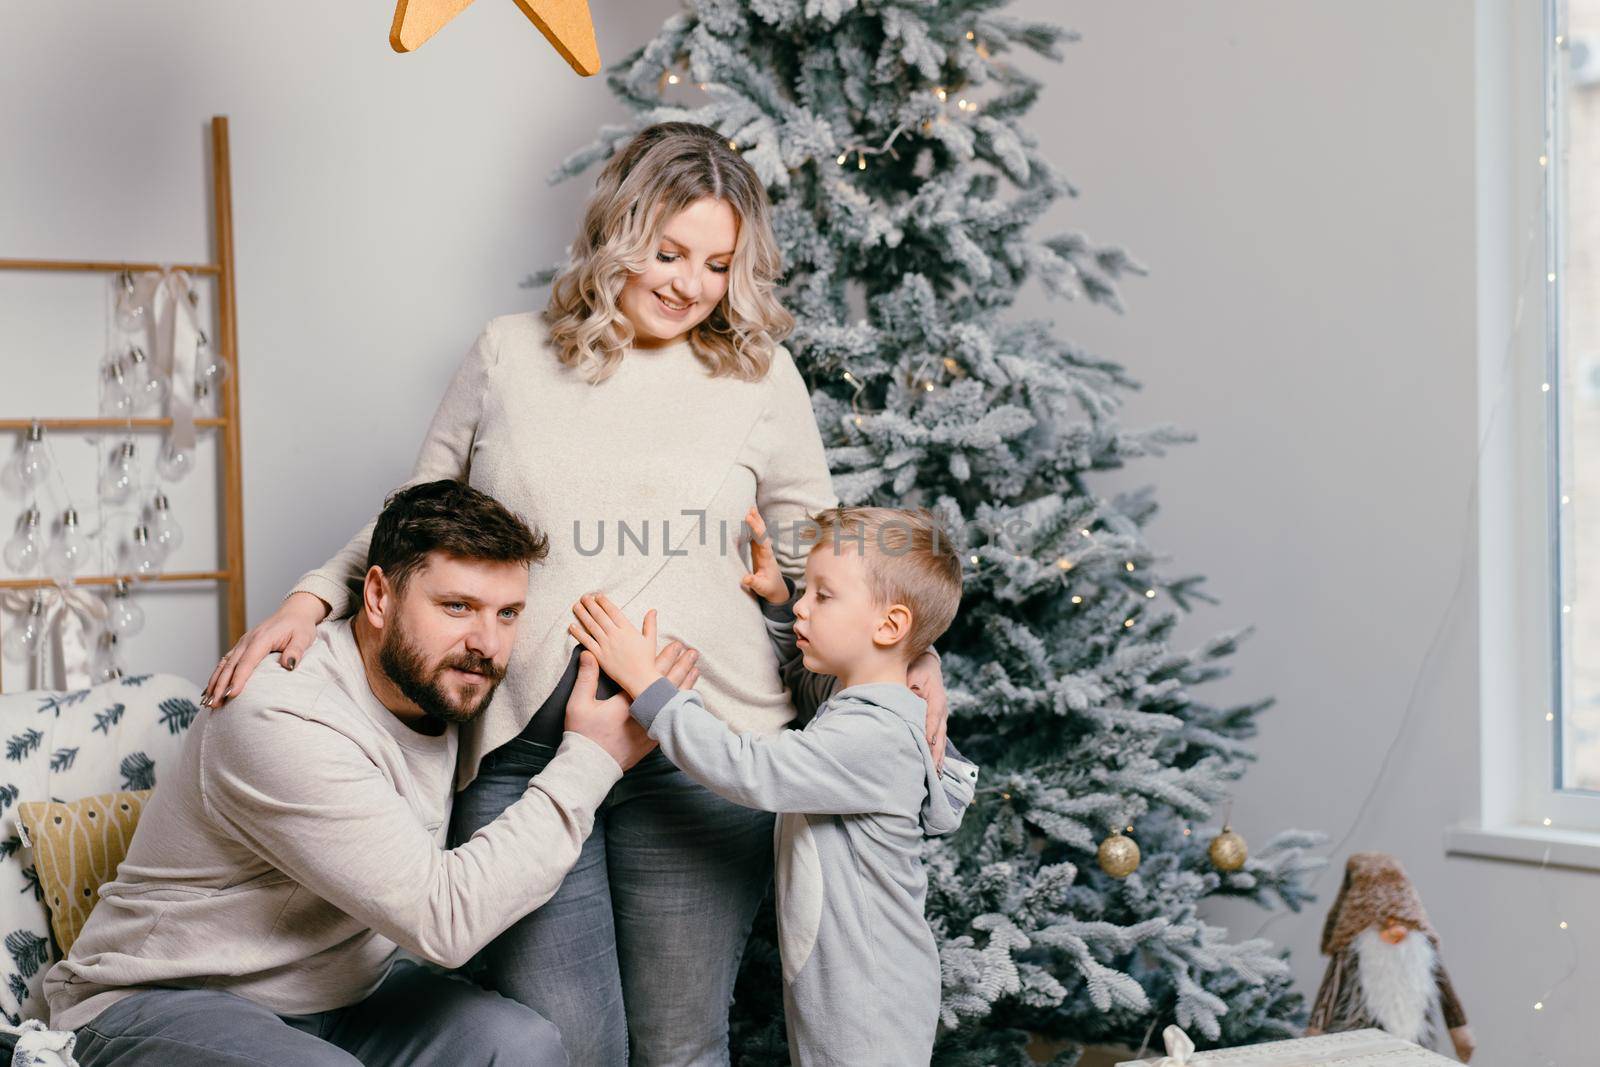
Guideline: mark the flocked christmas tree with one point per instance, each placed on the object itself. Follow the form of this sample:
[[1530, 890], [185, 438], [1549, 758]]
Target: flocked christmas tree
[[891, 136]]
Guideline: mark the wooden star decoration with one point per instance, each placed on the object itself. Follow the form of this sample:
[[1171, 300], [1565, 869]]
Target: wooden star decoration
[[565, 24]]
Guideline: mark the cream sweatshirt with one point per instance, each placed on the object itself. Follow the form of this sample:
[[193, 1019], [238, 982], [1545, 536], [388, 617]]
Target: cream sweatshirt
[[642, 483], [300, 840]]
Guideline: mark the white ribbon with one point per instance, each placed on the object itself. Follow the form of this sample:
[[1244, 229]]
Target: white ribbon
[[41, 1047], [1180, 1049], [75, 615], [174, 341]]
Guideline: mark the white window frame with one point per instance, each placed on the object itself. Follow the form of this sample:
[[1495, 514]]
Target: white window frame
[[1522, 814]]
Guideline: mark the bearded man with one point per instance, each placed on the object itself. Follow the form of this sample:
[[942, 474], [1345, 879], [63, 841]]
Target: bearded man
[[299, 844], [1385, 969]]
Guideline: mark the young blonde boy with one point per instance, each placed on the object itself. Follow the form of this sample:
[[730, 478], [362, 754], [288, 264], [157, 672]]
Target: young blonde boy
[[856, 789]]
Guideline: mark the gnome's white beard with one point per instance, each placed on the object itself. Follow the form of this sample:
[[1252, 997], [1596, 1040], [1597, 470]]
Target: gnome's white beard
[[1397, 982]]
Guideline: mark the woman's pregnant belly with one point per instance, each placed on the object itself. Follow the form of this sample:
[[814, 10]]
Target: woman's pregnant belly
[[707, 610], [691, 582]]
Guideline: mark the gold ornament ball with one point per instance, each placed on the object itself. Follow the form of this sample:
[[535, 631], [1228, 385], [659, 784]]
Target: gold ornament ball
[[1228, 850], [1118, 855]]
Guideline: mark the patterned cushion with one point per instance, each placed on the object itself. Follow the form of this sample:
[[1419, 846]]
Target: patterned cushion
[[76, 848], [65, 745]]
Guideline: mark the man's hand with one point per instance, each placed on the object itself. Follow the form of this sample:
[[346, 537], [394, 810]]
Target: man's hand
[[626, 654], [607, 722], [764, 579], [927, 681]]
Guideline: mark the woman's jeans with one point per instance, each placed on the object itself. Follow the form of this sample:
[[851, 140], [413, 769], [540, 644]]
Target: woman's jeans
[[653, 916]]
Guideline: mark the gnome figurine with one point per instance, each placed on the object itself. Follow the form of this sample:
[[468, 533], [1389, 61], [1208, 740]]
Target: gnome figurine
[[1384, 968]]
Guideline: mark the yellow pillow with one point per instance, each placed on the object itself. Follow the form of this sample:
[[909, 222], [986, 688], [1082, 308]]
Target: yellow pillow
[[76, 847]]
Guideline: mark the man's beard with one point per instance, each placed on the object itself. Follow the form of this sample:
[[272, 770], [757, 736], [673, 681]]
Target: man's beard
[[1398, 983], [403, 663]]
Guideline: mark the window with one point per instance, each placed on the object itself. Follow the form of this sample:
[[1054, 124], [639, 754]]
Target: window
[[1573, 404], [1538, 116]]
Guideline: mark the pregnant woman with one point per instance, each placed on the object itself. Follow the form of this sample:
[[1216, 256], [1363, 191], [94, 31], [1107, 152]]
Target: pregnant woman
[[635, 421]]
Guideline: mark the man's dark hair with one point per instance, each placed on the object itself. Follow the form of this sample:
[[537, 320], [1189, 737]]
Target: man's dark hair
[[453, 518]]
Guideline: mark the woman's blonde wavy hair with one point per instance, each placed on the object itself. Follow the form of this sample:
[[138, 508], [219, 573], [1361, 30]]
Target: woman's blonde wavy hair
[[662, 170]]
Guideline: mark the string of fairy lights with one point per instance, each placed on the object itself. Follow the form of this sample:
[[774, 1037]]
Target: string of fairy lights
[[135, 529]]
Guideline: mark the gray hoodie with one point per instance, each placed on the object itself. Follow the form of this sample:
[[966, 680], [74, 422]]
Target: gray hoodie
[[856, 792]]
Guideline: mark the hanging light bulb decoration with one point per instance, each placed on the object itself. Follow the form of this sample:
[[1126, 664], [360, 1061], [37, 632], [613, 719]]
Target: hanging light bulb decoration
[[205, 401], [148, 388], [117, 477], [174, 464], [26, 547], [106, 667], [124, 616], [141, 556], [1228, 850], [116, 399], [130, 314], [69, 551], [210, 368], [31, 463], [21, 642], [164, 528], [1118, 855], [135, 369]]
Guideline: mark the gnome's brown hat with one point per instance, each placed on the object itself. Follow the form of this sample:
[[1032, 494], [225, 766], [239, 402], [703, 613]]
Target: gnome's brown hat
[[1376, 890]]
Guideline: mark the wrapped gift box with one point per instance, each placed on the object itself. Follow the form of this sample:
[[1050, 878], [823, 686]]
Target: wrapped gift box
[[1368, 1048]]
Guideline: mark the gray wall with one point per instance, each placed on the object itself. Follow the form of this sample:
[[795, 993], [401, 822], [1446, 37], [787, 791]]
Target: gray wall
[[1298, 177]]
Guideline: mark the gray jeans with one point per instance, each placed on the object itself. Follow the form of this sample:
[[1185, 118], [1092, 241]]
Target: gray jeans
[[634, 958], [416, 1017]]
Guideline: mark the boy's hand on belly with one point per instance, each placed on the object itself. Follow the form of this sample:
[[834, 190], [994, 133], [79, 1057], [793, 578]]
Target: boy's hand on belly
[[764, 579], [626, 654]]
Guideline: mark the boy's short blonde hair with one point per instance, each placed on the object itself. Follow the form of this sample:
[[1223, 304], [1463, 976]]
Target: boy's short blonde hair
[[909, 559]]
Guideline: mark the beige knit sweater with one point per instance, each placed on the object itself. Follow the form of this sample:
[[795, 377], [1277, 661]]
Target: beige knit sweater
[[300, 837], [656, 466]]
